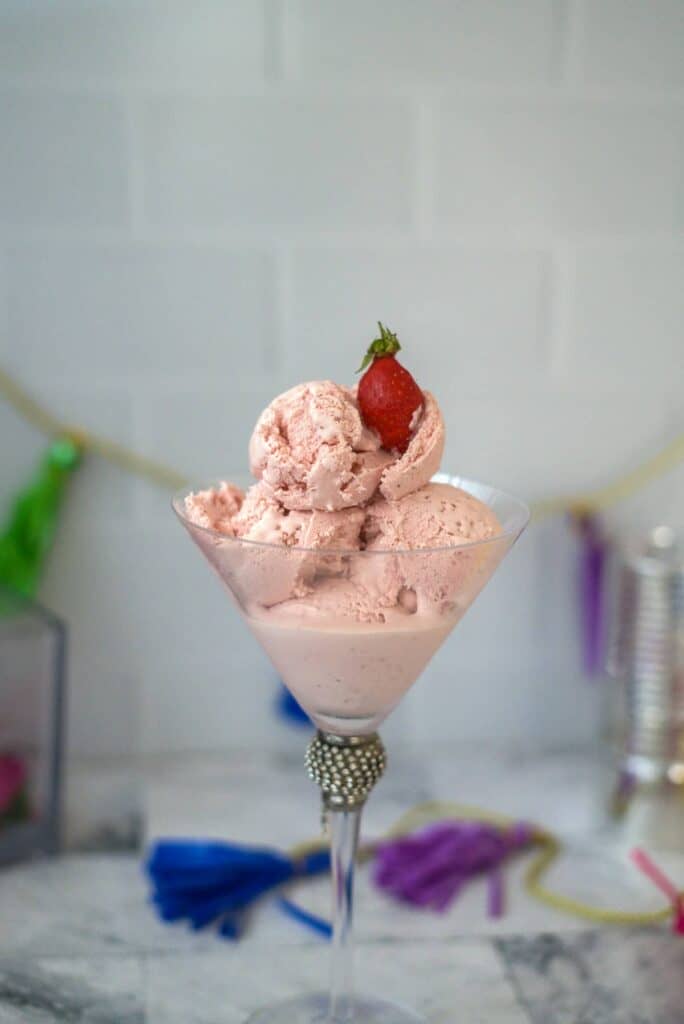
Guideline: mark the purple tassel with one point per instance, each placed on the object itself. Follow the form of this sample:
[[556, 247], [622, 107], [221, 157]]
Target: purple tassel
[[591, 575], [429, 868]]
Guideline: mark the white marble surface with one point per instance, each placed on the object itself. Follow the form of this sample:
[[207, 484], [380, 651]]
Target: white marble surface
[[79, 943]]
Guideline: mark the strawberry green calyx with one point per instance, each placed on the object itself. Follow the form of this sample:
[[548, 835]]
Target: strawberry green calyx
[[386, 345]]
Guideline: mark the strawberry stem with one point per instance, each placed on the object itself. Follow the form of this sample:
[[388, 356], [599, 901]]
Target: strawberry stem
[[386, 345]]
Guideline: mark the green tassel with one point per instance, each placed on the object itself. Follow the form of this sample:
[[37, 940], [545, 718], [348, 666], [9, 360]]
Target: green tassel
[[30, 529]]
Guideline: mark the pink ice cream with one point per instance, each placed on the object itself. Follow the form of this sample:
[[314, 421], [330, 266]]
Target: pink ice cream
[[439, 517], [269, 576], [329, 571], [422, 458], [215, 508], [435, 516], [312, 451]]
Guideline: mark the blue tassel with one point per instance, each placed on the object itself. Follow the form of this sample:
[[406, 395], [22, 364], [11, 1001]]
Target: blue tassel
[[215, 882], [316, 924], [288, 708]]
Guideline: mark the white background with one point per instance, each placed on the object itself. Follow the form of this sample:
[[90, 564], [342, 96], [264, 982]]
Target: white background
[[203, 203]]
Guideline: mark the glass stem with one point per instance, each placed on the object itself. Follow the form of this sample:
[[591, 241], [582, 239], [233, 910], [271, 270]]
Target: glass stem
[[344, 839]]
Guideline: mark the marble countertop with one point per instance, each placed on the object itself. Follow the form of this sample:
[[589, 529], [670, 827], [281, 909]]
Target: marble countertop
[[79, 943]]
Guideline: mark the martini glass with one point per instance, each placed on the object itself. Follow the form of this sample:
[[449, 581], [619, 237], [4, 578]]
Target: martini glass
[[349, 675]]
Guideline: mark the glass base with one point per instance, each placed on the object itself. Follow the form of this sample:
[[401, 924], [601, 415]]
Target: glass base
[[340, 725], [313, 1009]]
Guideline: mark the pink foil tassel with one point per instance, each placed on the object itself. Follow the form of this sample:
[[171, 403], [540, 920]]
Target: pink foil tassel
[[649, 868], [12, 779]]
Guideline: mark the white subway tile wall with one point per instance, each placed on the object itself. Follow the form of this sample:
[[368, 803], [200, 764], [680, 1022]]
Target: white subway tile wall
[[126, 311], [635, 42], [571, 166], [201, 204], [628, 313], [278, 163], [63, 160], [480, 40], [203, 42], [436, 296]]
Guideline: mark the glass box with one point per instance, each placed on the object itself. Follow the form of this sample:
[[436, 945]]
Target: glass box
[[32, 662]]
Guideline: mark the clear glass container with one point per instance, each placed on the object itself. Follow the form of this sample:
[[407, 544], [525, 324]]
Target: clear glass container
[[349, 631]]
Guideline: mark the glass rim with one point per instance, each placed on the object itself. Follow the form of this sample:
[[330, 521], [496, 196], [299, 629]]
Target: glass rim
[[513, 531]]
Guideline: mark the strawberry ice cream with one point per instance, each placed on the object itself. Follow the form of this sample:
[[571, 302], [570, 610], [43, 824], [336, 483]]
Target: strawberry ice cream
[[435, 516], [349, 564], [448, 521], [215, 508], [422, 458], [312, 450], [286, 547]]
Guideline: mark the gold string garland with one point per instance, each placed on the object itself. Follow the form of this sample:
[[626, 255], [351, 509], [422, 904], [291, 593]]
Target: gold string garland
[[39, 416], [548, 849], [158, 473]]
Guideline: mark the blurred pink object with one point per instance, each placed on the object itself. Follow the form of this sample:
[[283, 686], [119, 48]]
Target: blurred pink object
[[648, 867], [12, 780]]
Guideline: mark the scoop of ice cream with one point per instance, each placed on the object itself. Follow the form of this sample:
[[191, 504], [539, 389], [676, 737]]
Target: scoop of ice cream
[[333, 600], [437, 516], [265, 574], [312, 532], [422, 458], [312, 451], [215, 508], [272, 575], [257, 516], [261, 518]]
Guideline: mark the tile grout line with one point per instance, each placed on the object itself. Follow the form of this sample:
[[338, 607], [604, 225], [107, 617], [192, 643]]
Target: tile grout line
[[135, 168], [284, 40], [559, 295], [5, 344], [570, 44], [280, 60], [275, 53], [281, 309], [227, 239], [424, 164]]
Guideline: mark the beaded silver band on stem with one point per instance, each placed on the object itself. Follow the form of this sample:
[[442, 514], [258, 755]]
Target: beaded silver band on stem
[[345, 767]]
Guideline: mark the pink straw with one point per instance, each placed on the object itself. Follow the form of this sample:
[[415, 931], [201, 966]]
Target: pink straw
[[649, 868]]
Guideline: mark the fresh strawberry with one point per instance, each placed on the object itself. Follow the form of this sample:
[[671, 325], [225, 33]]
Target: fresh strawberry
[[388, 395]]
